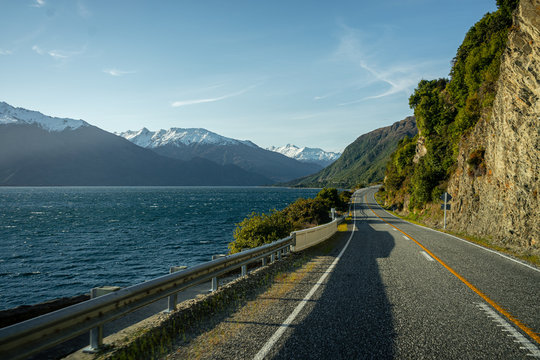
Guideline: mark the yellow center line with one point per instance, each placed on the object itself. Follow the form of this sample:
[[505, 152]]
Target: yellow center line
[[496, 306]]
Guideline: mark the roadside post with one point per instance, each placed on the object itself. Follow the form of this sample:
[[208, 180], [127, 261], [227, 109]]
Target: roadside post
[[215, 283], [96, 334], [171, 303], [446, 197]]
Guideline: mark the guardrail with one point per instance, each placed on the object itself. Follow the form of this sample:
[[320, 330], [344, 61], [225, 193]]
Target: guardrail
[[313, 236], [32, 336]]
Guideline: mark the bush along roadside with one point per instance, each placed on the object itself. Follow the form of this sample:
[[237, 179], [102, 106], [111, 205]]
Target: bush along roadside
[[258, 229]]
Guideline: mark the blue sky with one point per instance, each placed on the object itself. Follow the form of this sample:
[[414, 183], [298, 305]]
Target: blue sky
[[311, 73]]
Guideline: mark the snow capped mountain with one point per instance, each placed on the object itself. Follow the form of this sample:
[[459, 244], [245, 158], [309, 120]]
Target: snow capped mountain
[[12, 115], [187, 144], [177, 137], [306, 154]]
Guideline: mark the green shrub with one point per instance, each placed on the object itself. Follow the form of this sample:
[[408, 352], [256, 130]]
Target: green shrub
[[259, 229], [332, 198], [305, 213]]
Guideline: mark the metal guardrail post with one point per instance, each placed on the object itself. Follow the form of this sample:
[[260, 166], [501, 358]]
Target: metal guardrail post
[[96, 334], [215, 283], [265, 261], [173, 299], [272, 257], [244, 267], [279, 254]]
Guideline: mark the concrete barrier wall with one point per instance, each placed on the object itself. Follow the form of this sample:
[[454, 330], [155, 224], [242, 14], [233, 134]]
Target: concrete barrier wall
[[313, 236]]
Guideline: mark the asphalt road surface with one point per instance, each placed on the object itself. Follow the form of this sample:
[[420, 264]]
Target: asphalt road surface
[[388, 290]]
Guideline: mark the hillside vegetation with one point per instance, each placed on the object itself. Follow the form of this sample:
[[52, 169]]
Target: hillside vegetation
[[363, 161], [446, 110]]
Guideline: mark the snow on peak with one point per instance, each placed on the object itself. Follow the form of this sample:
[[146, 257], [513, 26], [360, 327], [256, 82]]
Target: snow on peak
[[305, 153], [178, 136], [12, 115]]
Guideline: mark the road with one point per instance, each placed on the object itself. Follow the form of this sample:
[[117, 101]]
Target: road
[[388, 290]]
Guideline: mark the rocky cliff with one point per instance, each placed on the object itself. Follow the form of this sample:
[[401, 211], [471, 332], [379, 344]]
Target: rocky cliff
[[496, 182]]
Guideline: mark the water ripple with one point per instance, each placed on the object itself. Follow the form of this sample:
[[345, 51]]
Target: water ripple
[[60, 242]]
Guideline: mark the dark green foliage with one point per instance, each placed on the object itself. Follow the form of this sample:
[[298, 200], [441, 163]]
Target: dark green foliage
[[432, 109], [334, 199], [446, 110], [345, 198], [306, 212], [259, 229], [403, 157], [256, 230], [507, 6]]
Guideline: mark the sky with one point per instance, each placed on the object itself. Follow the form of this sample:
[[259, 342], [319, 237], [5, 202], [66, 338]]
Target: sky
[[310, 73]]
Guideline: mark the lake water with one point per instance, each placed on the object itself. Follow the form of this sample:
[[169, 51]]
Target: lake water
[[62, 241]]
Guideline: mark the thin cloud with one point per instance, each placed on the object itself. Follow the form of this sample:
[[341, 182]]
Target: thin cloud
[[399, 77], [38, 50], [58, 54], [324, 96], [209, 100], [39, 3], [116, 72], [6, 52]]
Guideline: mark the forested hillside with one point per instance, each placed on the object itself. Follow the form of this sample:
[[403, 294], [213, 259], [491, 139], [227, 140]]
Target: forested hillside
[[363, 161]]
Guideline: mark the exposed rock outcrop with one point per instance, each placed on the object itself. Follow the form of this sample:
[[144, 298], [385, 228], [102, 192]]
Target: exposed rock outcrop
[[421, 149], [496, 184]]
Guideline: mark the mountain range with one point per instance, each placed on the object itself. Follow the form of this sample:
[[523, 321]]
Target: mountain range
[[363, 161], [187, 144], [38, 150]]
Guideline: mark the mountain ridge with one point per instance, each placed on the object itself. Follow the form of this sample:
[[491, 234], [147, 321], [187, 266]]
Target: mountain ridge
[[37, 150], [188, 143], [307, 154], [178, 136], [364, 160], [18, 115]]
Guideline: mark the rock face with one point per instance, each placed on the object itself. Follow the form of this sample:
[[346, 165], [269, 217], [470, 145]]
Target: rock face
[[496, 184]]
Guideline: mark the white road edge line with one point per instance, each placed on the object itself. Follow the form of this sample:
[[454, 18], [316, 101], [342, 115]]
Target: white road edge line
[[405, 237], [277, 335], [534, 351], [460, 239], [427, 256]]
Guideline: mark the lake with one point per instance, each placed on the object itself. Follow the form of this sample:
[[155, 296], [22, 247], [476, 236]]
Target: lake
[[62, 241]]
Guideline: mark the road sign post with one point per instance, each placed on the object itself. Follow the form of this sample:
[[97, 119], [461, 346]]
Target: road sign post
[[446, 197]]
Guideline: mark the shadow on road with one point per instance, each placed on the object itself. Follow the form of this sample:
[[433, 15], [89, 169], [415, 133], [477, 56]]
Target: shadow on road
[[352, 319]]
